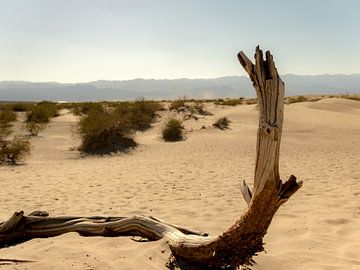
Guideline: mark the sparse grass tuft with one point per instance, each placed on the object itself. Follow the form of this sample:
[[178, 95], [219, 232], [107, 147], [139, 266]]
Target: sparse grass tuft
[[173, 130], [222, 123]]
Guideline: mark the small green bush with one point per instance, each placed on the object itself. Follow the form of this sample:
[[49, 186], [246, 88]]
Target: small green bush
[[12, 151], [39, 115], [222, 123], [83, 108], [20, 107], [7, 116], [143, 113], [104, 132], [6, 119], [110, 126], [173, 130], [42, 112]]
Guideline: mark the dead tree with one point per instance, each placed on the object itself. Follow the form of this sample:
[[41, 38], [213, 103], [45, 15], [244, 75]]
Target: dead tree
[[236, 245]]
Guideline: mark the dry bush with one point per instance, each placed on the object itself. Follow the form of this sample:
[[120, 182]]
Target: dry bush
[[222, 123], [199, 108], [104, 132], [7, 116], [13, 151], [177, 104], [297, 99], [6, 119], [314, 99], [141, 113], [353, 97], [250, 101], [83, 108], [42, 112], [173, 130], [20, 107], [39, 115], [34, 128], [110, 126], [230, 101]]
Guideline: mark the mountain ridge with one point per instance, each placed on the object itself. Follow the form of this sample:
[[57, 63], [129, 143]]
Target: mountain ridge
[[222, 87]]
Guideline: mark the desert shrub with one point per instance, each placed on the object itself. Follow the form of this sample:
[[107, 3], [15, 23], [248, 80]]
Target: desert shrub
[[110, 127], [173, 130], [222, 123], [104, 132], [353, 97], [230, 101], [7, 116], [314, 99], [12, 151], [140, 114], [42, 112], [296, 99], [83, 108], [39, 115], [148, 106], [34, 128], [199, 108], [6, 119], [177, 104], [250, 101], [20, 107]]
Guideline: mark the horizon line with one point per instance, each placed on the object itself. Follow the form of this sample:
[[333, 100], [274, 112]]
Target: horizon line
[[174, 79]]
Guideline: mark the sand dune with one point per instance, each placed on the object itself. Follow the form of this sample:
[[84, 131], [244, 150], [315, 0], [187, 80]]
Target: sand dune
[[196, 183]]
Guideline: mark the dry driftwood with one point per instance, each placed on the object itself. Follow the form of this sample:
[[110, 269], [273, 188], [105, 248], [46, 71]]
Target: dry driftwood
[[237, 244]]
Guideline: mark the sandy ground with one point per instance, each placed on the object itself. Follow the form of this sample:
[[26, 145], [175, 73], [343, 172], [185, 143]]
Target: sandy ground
[[196, 183]]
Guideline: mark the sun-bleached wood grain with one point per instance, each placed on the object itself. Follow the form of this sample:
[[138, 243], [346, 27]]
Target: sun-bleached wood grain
[[238, 244]]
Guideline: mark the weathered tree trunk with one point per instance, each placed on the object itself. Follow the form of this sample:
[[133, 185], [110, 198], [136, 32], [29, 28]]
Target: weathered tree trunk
[[236, 245]]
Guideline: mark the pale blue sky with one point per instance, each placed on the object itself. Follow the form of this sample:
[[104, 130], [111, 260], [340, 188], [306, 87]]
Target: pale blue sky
[[85, 40]]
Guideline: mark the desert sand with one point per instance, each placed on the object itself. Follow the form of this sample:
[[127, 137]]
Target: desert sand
[[195, 183]]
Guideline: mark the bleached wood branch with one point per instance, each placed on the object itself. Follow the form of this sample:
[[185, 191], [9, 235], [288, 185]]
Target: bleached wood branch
[[238, 244]]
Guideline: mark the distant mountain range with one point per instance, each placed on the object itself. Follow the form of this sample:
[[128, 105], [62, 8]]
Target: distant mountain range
[[235, 86]]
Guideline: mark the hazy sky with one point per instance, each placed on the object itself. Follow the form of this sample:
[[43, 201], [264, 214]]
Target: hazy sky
[[85, 40]]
